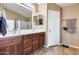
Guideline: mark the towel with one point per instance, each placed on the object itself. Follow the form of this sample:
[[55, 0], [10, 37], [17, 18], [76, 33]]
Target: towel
[[3, 25], [71, 24]]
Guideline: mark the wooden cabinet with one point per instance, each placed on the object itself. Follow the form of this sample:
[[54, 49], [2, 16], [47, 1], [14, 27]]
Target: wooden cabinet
[[11, 45], [41, 39], [8, 49], [27, 44], [4, 50], [32, 42], [24, 44], [20, 46], [38, 41], [12, 49], [35, 41]]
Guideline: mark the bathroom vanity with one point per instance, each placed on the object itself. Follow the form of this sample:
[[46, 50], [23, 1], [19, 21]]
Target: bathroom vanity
[[25, 33], [21, 44]]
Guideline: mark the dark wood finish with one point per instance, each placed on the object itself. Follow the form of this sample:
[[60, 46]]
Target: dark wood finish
[[20, 46], [24, 44], [27, 44], [4, 50], [11, 45], [27, 51], [41, 39], [35, 41], [38, 41]]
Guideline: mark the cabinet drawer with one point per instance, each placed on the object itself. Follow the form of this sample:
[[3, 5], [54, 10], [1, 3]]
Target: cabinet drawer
[[27, 51], [36, 35], [27, 41], [27, 36], [8, 40]]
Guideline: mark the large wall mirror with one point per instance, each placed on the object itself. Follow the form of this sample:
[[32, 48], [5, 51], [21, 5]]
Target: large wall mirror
[[22, 22]]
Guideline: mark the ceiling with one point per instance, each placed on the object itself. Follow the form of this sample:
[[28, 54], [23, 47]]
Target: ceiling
[[24, 11], [65, 4], [18, 9]]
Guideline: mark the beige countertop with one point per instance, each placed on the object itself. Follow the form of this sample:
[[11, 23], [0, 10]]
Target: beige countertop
[[22, 32]]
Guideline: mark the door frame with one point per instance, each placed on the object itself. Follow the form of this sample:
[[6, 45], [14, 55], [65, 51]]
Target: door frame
[[47, 28]]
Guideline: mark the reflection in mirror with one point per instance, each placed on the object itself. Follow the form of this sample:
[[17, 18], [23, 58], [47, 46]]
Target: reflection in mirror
[[26, 24], [18, 23], [10, 25]]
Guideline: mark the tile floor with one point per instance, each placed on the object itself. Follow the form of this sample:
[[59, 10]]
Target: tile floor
[[57, 50]]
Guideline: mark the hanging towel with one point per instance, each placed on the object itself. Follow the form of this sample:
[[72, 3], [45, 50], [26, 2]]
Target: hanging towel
[[3, 26]]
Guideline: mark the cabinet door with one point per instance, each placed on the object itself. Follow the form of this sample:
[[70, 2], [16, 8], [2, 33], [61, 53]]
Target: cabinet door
[[11, 45], [35, 43], [41, 40], [15, 47], [19, 45], [12, 49], [27, 44], [27, 51], [4, 50], [8, 49], [19, 48]]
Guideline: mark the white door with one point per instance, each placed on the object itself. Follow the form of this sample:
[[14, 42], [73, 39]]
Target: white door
[[53, 27]]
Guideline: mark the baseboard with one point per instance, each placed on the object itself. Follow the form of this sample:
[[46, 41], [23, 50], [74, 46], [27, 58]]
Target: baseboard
[[70, 45], [50, 46], [45, 46]]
